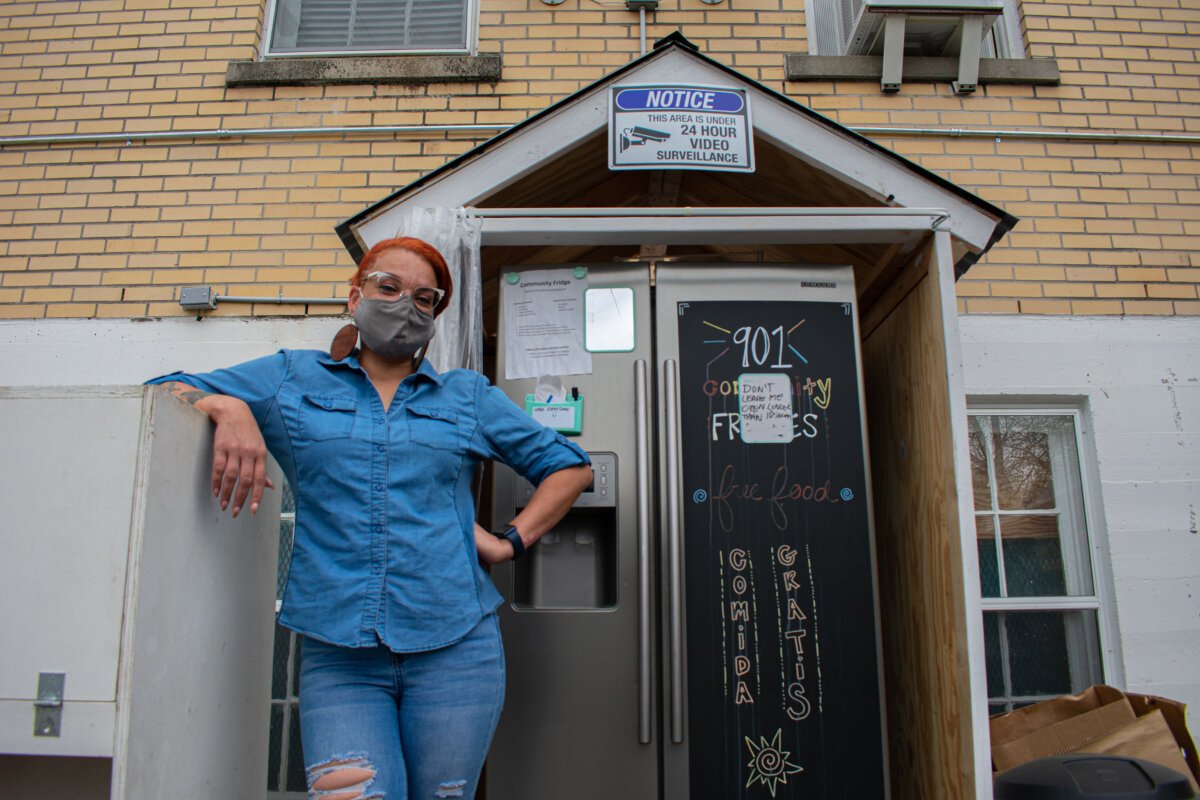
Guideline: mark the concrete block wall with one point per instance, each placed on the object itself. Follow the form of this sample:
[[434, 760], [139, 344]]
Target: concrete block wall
[[114, 229], [1136, 382]]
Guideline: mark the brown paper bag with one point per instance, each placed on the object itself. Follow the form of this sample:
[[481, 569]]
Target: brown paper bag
[[1146, 737], [1065, 736], [1023, 721], [1099, 717], [1175, 715]]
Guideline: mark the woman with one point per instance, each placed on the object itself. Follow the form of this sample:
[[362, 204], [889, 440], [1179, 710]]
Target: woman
[[402, 675]]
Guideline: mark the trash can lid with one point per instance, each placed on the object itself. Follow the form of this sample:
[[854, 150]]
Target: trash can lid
[[1083, 776]]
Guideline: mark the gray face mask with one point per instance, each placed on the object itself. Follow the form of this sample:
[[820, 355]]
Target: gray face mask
[[395, 329]]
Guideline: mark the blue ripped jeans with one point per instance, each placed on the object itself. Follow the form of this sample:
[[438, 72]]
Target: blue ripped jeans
[[378, 724]]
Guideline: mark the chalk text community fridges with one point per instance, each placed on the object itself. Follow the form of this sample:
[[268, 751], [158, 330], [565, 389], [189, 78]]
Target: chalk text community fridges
[[704, 623]]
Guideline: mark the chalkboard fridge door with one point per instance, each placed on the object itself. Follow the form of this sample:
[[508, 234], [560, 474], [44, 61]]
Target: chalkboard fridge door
[[703, 623], [771, 661]]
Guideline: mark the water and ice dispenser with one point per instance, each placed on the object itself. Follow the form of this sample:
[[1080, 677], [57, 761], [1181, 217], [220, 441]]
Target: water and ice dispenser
[[574, 565]]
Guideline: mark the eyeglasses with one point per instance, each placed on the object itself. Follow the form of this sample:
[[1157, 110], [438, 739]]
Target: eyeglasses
[[387, 286]]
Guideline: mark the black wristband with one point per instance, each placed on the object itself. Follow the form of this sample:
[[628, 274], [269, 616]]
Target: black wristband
[[514, 539]]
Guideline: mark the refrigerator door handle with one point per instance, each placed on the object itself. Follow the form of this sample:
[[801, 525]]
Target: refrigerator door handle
[[674, 545], [642, 424]]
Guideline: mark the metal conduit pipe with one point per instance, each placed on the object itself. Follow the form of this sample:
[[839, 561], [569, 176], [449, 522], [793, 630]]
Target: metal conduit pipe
[[245, 133], [308, 301], [1154, 138], [203, 298], [231, 133]]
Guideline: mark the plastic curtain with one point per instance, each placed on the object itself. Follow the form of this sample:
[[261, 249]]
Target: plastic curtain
[[455, 232]]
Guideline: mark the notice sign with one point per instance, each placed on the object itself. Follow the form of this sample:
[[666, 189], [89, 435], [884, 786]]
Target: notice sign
[[680, 127]]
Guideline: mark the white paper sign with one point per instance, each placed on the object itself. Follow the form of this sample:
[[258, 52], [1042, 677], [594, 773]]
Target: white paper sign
[[543, 323], [766, 408], [555, 416], [680, 127]]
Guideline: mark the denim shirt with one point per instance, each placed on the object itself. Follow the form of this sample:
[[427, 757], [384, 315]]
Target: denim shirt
[[384, 548]]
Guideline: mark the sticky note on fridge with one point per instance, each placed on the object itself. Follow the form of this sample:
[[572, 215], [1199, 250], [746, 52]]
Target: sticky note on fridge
[[565, 416]]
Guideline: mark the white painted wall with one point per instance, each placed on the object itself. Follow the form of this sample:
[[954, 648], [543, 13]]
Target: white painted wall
[[1138, 379], [76, 352], [1139, 383]]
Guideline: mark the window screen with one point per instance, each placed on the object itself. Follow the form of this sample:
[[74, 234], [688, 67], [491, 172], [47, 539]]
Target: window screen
[[368, 26]]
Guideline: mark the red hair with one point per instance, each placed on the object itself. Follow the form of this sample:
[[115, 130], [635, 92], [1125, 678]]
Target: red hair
[[417, 247]]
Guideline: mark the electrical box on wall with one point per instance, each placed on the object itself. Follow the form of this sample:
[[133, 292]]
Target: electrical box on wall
[[139, 617]]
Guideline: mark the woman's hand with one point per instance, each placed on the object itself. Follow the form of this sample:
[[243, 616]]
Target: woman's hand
[[550, 502], [492, 549], [239, 453]]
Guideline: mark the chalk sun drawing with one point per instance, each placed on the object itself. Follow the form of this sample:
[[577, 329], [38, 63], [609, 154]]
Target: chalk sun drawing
[[769, 763]]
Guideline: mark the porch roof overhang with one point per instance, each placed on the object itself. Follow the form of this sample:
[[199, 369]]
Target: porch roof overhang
[[510, 227], [556, 161]]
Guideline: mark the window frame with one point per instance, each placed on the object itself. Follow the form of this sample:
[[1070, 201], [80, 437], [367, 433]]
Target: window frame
[[1102, 600], [1005, 33], [289, 704], [471, 48]]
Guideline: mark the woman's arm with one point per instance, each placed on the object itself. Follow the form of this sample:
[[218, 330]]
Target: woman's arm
[[549, 504], [239, 451]]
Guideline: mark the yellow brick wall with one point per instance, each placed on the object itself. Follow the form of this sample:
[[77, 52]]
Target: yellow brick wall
[[115, 229]]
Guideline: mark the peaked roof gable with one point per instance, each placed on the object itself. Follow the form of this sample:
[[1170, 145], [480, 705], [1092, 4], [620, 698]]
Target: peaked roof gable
[[798, 130]]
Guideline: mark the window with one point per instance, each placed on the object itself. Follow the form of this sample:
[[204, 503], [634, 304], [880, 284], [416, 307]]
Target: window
[[837, 27], [285, 762], [364, 27], [1042, 612]]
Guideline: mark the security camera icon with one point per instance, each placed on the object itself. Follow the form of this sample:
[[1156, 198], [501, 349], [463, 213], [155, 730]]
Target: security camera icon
[[637, 135]]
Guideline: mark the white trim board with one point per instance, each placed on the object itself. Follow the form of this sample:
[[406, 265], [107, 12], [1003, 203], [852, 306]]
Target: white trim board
[[976, 660], [706, 226]]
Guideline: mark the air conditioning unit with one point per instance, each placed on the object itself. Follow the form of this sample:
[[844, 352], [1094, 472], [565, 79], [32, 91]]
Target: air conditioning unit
[[899, 28]]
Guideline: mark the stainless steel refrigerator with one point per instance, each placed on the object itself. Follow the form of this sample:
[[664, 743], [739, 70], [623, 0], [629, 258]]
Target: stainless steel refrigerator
[[704, 622]]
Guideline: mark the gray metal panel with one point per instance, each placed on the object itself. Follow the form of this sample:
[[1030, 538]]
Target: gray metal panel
[[571, 721], [66, 472], [194, 693], [157, 607]]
